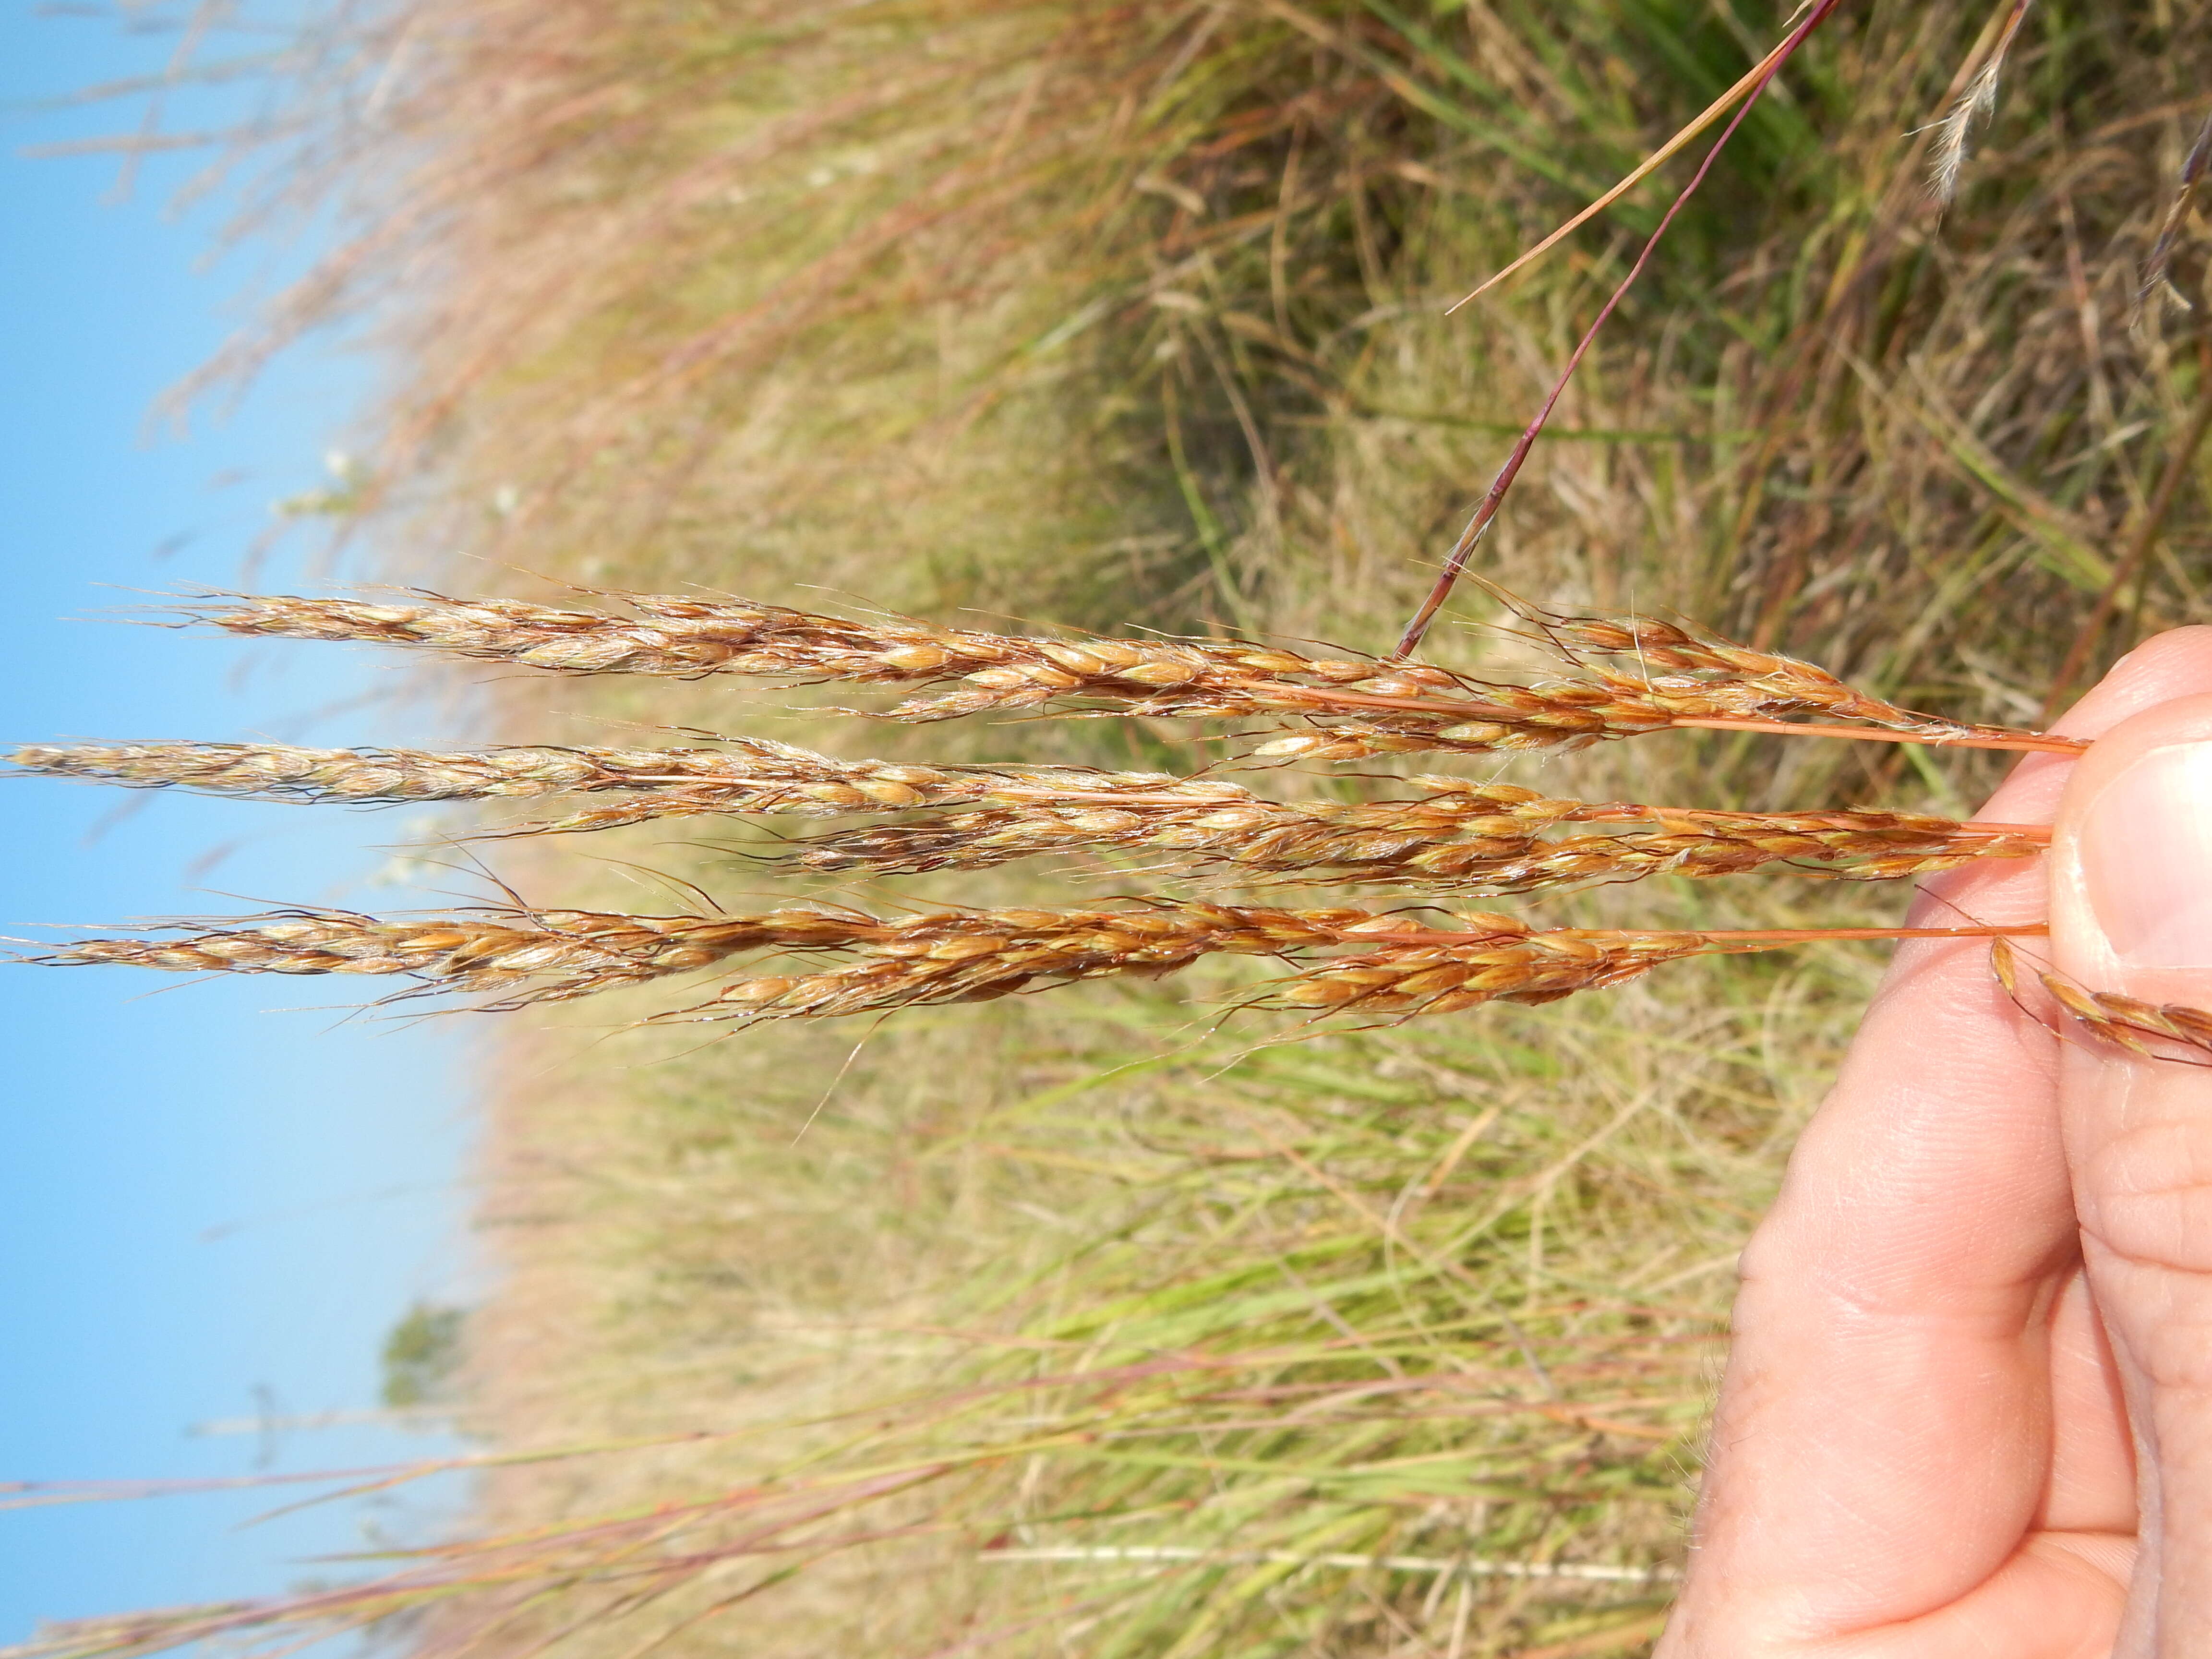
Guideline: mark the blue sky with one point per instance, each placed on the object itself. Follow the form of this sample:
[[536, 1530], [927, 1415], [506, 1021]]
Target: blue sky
[[210, 1201]]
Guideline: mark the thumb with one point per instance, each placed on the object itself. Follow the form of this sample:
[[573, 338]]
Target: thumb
[[2131, 912]]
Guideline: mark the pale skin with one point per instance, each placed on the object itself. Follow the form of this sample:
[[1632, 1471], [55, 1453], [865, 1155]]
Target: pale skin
[[1968, 1406]]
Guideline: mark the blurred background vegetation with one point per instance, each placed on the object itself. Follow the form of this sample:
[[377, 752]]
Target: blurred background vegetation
[[1090, 1325]]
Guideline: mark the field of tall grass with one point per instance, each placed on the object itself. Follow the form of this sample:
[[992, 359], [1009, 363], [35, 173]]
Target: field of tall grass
[[1113, 1323]]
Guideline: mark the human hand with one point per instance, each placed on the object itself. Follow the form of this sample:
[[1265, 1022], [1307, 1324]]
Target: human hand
[[1991, 1254]]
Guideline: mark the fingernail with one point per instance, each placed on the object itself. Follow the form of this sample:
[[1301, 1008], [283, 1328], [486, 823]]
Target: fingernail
[[2146, 853]]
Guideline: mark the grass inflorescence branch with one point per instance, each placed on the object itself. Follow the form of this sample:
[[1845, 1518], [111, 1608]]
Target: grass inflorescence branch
[[2152, 1030], [1347, 706], [1382, 962], [1456, 834], [1461, 836], [1630, 675], [738, 775]]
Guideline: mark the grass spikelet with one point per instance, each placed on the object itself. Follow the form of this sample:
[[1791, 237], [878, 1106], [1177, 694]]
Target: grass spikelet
[[2137, 1026], [2150, 1030], [1946, 158], [1784, 685]]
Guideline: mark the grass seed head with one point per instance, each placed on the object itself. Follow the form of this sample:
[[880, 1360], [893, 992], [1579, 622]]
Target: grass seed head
[[2152, 1030], [1350, 706], [523, 956], [1747, 682], [1483, 838], [740, 774], [1342, 957]]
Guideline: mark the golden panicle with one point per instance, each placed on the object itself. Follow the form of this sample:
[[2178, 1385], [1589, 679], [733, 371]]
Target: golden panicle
[[1388, 963], [1349, 706], [524, 958], [1461, 836], [287, 772], [739, 775], [1443, 978], [986, 671], [1757, 683], [528, 957]]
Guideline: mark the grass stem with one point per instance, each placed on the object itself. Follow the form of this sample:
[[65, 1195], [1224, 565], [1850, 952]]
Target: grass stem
[[1487, 513], [2042, 743]]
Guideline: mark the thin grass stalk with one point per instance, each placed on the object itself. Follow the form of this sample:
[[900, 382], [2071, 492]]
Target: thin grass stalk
[[1487, 513], [1176, 1392], [624, 1551], [1756, 77]]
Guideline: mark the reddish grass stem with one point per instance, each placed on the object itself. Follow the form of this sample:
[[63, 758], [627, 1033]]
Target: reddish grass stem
[[1753, 938], [2042, 743], [1487, 513]]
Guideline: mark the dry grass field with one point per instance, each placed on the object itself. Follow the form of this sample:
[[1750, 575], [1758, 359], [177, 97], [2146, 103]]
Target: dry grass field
[[1115, 1322]]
